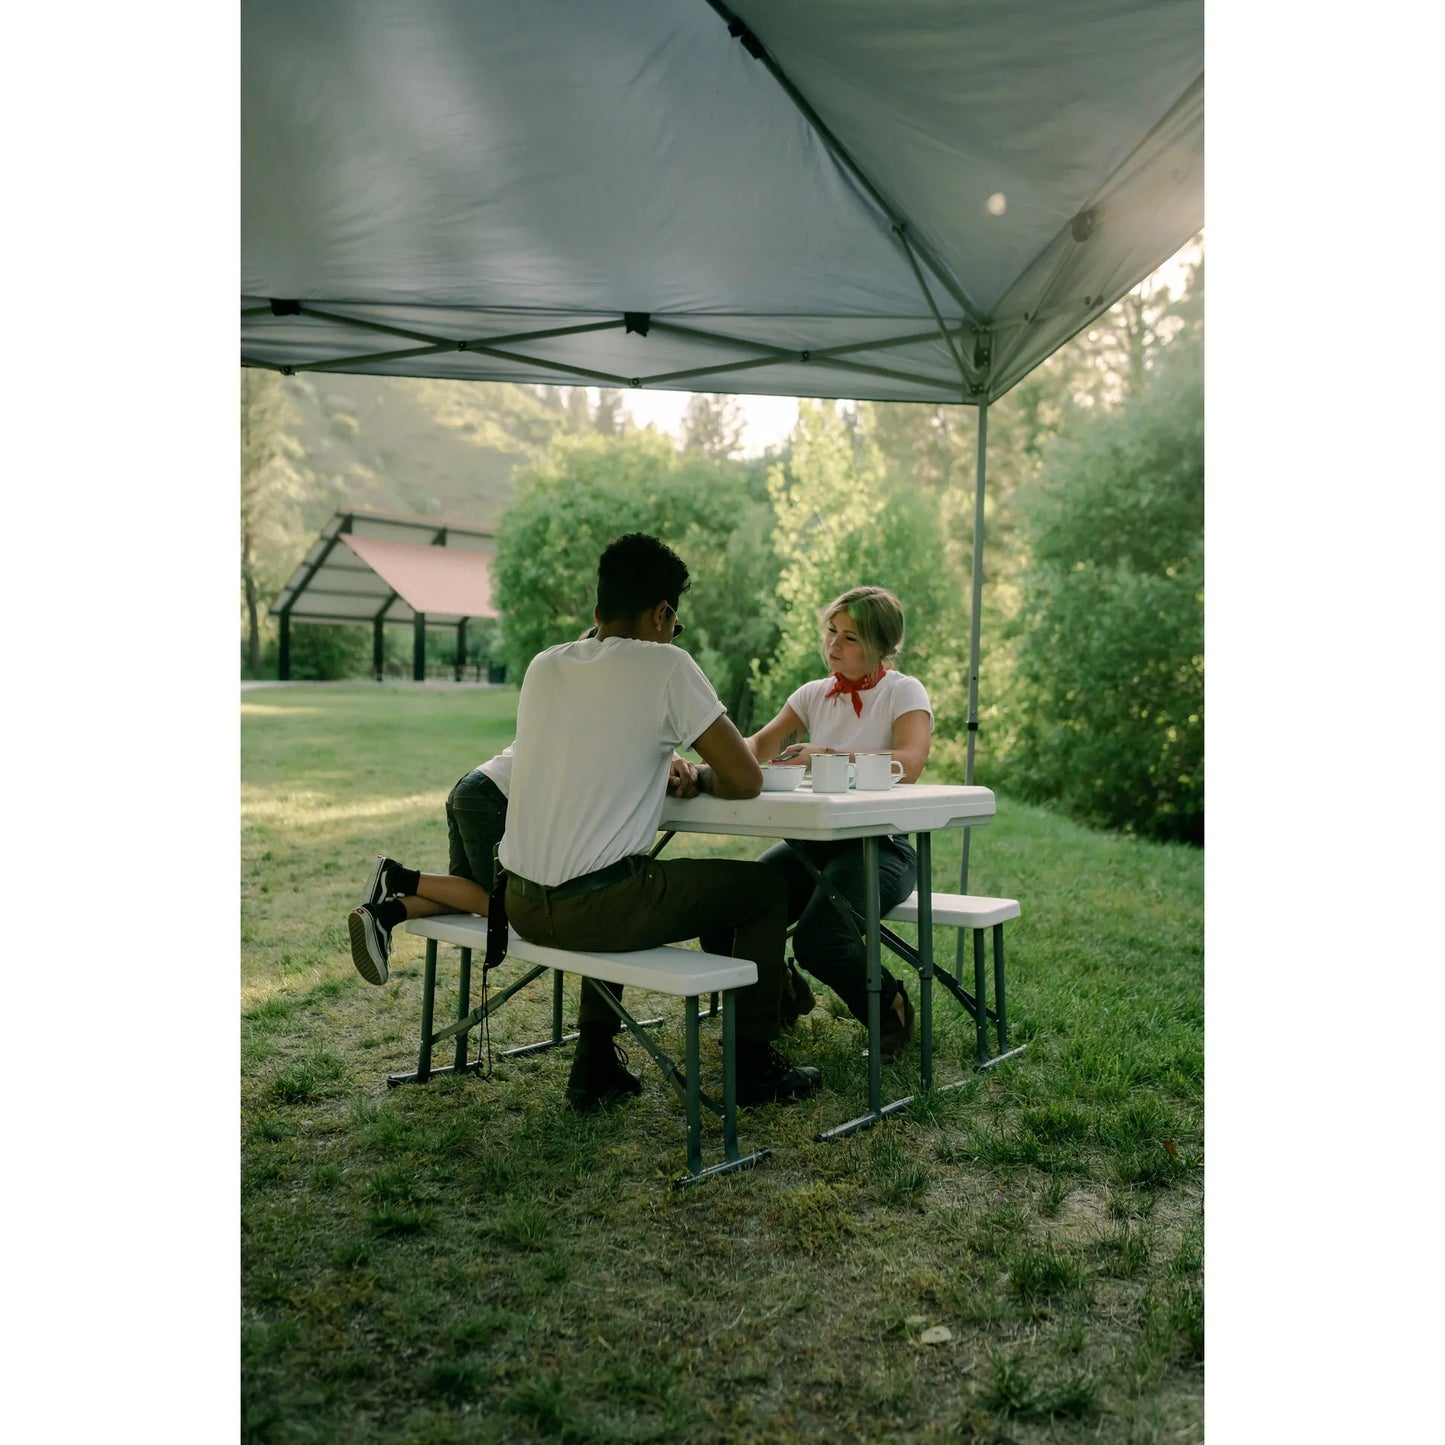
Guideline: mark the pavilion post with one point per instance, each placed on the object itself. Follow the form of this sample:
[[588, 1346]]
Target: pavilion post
[[418, 647], [461, 660], [974, 624], [283, 655], [378, 649]]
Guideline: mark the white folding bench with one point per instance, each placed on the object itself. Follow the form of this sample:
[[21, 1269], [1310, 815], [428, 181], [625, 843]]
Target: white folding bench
[[960, 910], [682, 972]]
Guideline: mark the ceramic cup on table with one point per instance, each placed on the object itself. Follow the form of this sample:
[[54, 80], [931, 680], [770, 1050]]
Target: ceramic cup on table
[[877, 772], [782, 777], [832, 772]]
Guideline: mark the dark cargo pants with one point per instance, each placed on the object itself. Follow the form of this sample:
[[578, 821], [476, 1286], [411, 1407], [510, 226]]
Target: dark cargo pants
[[667, 902]]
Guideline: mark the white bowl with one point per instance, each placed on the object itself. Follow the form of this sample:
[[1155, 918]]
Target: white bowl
[[783, 777]]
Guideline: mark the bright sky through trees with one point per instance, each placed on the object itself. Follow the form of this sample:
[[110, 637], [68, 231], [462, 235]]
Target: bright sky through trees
[[767, 419]]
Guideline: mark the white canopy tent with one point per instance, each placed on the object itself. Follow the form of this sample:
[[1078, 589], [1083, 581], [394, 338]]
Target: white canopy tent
[[916, 200]]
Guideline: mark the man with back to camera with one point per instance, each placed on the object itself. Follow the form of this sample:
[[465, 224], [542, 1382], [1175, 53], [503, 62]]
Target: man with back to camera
[[597, 723]]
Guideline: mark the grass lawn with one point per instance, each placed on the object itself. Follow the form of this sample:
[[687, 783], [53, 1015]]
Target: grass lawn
[[1019, 1259]]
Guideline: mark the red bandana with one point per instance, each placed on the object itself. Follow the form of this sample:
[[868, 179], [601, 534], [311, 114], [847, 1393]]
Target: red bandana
[[842, 685]]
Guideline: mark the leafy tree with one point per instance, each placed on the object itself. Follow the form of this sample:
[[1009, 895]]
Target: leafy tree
[[713, 425], [273, 478], [1106, 717], [838, 525], [610, 416], [588, 490]]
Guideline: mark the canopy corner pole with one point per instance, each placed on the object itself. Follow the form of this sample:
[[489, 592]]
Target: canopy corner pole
[[418, 647], [974, 634]]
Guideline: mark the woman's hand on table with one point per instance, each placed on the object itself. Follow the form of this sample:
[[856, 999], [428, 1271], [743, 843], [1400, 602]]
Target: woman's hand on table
[[799, 753]]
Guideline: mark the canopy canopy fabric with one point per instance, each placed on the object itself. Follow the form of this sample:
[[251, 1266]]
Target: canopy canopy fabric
[[369, 567], [912, 200]]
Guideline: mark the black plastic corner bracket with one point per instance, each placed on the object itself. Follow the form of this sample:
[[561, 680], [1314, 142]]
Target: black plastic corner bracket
[[749, 41], [638, 321], [1082, 226], [285, 308]]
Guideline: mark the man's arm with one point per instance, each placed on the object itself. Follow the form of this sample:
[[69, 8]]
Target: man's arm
[[731, 770]]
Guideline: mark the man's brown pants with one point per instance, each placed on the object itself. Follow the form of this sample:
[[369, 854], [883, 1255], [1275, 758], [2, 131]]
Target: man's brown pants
[[666, 902]]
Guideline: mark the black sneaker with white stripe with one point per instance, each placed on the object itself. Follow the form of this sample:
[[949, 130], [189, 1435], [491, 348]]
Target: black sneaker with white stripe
[[370, 943], [382, 882]]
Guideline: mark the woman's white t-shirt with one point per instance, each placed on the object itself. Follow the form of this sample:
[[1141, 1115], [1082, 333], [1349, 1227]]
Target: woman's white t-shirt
[[832, 723]]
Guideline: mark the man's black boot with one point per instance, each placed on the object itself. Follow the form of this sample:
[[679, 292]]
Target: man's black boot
[[599, 1074], [766, 1077]]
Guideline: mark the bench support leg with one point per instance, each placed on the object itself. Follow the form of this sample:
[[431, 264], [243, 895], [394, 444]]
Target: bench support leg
[[464, 1007], [998, 999], [730, 1077], [558, 1037], [981, 1017], [732, 1159], [689, 1086], [469, 1021], [428, 999], [694, 1088]]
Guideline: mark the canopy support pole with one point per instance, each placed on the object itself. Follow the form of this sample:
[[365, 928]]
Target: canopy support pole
[[418, 647], [975, 620]]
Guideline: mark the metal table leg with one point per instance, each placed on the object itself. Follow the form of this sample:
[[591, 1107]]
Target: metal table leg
[[873, 905], [877, 1109], [925, 960]]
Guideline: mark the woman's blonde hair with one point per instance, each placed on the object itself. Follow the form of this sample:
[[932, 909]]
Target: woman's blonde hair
[[878, 616]]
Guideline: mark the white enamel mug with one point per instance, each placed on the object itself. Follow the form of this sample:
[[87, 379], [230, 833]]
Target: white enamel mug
[[832, 772], [878, 772]]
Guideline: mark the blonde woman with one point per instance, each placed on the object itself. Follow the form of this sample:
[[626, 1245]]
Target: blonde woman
[[866, 705]]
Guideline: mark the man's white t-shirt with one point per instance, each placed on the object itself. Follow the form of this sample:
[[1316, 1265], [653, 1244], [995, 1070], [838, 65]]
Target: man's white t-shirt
[[832, 723], [597, 723]]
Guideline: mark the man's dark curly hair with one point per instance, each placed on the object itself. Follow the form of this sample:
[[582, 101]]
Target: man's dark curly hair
[[634, 574]]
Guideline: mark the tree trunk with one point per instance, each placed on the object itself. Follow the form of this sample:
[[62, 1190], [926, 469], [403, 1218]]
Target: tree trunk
[[253, 625]]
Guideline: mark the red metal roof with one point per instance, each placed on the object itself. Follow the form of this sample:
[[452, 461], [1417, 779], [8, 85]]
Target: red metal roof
[[434, 580]]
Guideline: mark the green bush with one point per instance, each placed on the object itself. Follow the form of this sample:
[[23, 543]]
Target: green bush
[[1109, 689], [590, 489]]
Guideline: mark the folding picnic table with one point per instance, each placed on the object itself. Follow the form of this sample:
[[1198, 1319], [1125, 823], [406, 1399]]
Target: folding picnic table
[[806, 816]]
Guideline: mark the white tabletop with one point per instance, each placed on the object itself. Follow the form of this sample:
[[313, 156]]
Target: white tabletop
[[819, 817]]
